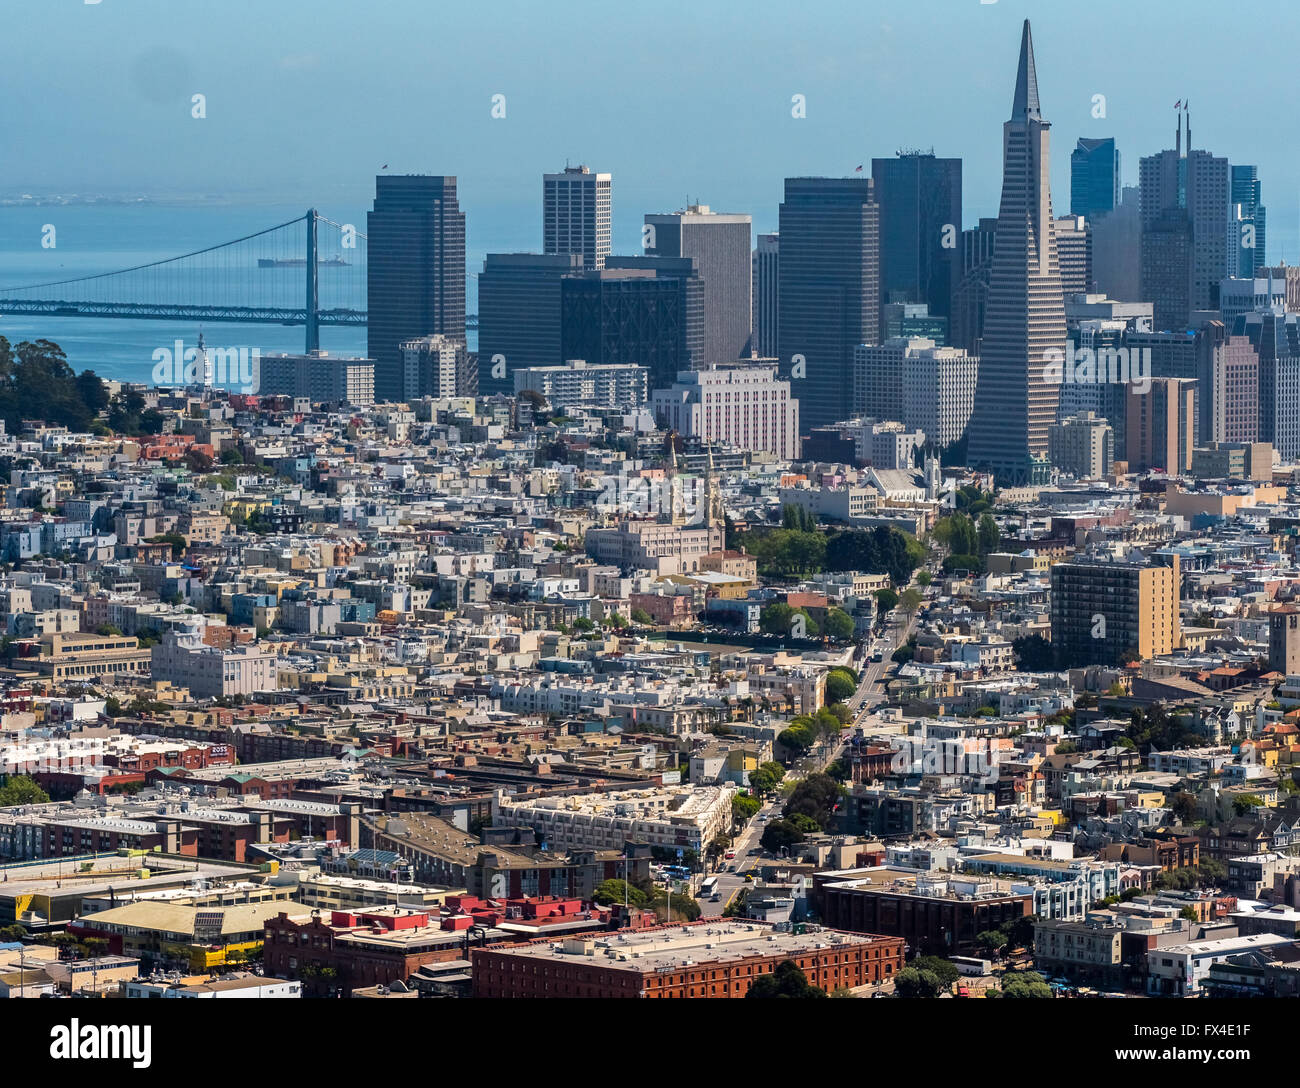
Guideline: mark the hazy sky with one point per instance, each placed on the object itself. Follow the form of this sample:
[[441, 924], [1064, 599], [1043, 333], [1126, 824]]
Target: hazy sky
[[306, 99]]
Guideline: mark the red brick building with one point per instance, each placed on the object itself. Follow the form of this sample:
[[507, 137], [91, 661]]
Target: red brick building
[[704, 959]]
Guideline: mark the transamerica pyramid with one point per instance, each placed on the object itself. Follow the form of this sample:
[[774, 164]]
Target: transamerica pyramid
[[1024, 322]]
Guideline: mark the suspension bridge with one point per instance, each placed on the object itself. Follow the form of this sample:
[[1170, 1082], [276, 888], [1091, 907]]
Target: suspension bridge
[[308, 271]]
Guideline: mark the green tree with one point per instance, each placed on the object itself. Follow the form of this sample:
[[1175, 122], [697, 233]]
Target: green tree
[[924, 578], [787, 980], [21, 790], [839, 625], [1183, 805], [886, 599], [1025, 984], [911, 982], [816, 797], [909, 601], [1242, 805], [1033, 654], [744, 808], [840, 685], [780, 835], [641, 616], [941, 968], [797, 739], [613, 891], [988, 535], [764, 778]]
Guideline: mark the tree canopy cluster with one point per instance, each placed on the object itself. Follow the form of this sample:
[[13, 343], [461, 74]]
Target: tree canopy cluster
[[806, 730], [36, 381], [969, 542], [794, 552]]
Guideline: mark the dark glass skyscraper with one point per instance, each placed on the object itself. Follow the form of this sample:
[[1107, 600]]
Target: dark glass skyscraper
[[519, 314], [1094, 178], [643, 310], [1251, 216], [1024, 324], [829, 292], [920, 229], [415, 270]]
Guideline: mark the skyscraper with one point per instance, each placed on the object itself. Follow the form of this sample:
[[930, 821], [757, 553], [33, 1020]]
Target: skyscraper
[[1161, 424], [829, 288], [437, 366], [643, 310], [576, 214], [920, 229], [1275, 336], [1074, 254], [1185, 204], [1249, 221], [1116, 244], [767, 255], [971, 301], [1094, 178], [415, 275], [519, 314], [1024, 324], [719, 246]]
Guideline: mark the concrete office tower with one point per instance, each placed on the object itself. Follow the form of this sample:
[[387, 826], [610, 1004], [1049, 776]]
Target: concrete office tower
[[1161, 426], [1276, 338], [1083, 445], [1024, 325], [1284, 639], [1094, 178], [437, 366], [939, 392], [1074, 254], [742, 405], [519, 315], [876, 391], [912, 379], [1185, 203], [765, 294], [575, 214], [920, 229], [1102, 337], [718, 243], [1116, 248], [1166, 355], [1250, 221], [1106, 611], [1228, 386], [643, 310], [415, 275], [829, 289], [319, 377]]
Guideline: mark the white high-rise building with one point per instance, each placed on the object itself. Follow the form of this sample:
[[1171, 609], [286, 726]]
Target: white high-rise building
[[939, 392], [739, 405], [911, 379], [576, 214]]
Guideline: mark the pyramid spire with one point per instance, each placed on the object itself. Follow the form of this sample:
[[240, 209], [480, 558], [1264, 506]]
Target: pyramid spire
[[1025, 105]]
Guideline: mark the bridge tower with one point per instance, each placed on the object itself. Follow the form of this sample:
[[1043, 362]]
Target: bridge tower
[[312, 321]]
